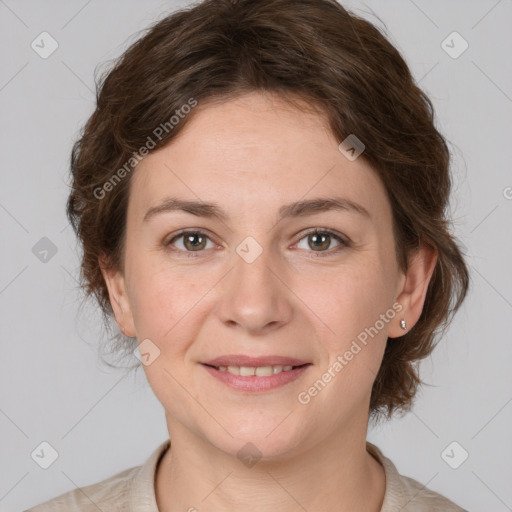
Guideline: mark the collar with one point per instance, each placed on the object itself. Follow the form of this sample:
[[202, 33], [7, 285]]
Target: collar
[[395, 495], [142, 488], [143, 497]]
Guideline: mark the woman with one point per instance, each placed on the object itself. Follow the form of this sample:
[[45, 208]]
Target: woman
[[260, 195]]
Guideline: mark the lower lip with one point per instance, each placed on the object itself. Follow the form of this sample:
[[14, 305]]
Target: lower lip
[[253, 383]]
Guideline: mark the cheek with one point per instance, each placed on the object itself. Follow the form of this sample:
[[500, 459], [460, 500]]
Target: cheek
[[165, 307], [169, 308], [356, 299], [155, 306], [357, 308], [152, 305], [163, 297]]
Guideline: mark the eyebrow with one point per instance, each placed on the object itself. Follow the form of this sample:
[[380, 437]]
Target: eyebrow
[[297, 209]]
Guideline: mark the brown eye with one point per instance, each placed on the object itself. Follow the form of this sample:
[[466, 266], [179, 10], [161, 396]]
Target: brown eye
[[320, 241], [192, 241]]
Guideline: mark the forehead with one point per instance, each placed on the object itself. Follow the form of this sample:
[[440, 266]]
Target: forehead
[[252, 153]]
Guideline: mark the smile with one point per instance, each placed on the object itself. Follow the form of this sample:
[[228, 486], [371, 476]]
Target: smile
[[256, 378], [259, 371]]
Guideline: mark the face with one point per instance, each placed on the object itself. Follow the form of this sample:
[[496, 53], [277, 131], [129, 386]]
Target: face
[[246, 279]]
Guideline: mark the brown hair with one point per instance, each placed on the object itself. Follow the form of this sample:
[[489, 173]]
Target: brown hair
[[314, 50]]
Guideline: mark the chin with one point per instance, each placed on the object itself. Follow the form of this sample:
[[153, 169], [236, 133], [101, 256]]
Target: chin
[[265, 438]]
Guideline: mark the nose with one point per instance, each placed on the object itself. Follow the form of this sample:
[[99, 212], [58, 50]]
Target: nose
[[254, 296]]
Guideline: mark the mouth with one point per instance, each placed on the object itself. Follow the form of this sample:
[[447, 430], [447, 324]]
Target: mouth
[[258, 371], [252, 374]]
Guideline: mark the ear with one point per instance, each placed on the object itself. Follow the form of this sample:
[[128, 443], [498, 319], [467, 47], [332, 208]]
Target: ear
[[412, 295], [118, 297]]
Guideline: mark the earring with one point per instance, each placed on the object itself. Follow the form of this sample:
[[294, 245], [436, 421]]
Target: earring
[[403, 325]]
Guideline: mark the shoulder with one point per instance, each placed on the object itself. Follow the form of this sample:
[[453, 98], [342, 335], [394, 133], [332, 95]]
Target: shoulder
[[131, 489], [406, 494], [423, 499], [110, 494]]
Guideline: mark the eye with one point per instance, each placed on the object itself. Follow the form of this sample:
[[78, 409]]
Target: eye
[[195, 241], [319, 240], [191, 241]]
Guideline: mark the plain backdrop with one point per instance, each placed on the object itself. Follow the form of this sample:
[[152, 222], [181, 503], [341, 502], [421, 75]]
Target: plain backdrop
[[53, 387]]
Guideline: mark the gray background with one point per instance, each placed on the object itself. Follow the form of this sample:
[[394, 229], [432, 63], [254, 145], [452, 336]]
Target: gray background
[[53, 387]]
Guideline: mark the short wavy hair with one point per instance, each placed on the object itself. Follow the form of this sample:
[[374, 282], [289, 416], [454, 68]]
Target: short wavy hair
[[314, 50]]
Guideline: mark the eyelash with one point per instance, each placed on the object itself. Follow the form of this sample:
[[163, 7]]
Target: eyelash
[[192, 254]]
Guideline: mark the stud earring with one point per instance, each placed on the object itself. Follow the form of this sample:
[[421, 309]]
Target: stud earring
[[403, 325]]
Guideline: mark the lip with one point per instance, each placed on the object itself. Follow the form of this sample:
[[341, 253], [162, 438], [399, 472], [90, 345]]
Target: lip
[[253, 383], [253, 362]]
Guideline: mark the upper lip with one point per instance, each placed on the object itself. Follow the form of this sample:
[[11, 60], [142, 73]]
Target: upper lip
[[248, 361]]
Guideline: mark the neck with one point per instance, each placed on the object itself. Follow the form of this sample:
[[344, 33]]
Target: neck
[[336, 474]]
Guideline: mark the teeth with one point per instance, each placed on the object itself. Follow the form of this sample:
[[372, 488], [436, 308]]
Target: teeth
[[264, 371], [235, 370], [260, 371]]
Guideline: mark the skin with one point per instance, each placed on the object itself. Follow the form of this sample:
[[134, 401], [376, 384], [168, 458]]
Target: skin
[[251, 155]]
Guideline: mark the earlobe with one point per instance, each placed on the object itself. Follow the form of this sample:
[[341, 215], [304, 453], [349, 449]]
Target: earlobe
[[414, 290], [118, 296]]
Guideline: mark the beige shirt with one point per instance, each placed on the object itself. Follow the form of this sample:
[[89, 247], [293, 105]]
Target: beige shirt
[[133, 490]]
